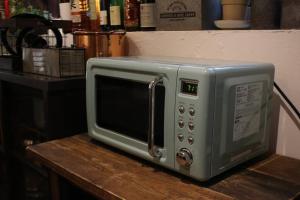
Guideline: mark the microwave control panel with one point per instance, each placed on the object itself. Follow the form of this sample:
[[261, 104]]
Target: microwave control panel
[[186, 117], [185, 129], [193, 101]]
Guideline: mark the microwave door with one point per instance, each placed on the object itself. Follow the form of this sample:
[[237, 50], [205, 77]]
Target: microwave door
[[134, 109]]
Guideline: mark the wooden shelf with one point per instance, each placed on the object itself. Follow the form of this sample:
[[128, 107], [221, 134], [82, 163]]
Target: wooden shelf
[[108, 173]]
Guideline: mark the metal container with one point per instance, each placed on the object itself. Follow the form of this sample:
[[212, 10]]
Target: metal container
[[95, 43], [55, 62], [116, 45]]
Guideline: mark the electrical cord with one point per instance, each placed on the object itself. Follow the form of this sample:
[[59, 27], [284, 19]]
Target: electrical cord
[[287, 100]]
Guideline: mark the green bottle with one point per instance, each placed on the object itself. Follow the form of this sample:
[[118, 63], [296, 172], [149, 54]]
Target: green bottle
[[104, 15], [116, 10], [148, 19]]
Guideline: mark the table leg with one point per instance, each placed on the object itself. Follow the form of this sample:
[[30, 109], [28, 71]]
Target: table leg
[[54, 185]]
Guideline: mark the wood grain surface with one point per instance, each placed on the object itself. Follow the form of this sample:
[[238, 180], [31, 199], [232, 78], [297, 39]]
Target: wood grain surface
[[284, 168], [108, 173]]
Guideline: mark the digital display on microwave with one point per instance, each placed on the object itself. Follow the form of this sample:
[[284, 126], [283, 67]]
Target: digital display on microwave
[[189, 87]]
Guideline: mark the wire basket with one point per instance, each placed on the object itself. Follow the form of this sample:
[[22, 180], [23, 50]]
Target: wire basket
[[55, 62], [28, 30], [14, 63]]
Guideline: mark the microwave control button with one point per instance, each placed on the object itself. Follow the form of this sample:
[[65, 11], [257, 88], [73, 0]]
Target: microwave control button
[[184, 158], [191, 126], [181, 123], [181, 109], [180, 137], [190, 140], [192, 111]]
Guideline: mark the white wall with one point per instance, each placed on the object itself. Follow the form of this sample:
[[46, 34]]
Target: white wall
[[282, 48]]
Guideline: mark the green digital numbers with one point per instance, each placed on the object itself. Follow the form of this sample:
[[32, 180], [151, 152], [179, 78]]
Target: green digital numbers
[[188, 87]]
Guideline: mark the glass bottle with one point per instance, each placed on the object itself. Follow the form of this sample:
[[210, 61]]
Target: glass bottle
[[79, 16], [93, 15], [147, 15], [132, 15], [8, 8], [104, 15], [116, 14]]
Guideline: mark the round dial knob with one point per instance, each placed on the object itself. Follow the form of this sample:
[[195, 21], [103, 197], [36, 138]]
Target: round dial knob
[[184, 157]]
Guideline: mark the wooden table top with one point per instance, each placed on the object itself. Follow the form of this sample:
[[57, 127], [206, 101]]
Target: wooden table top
[[108, 173]]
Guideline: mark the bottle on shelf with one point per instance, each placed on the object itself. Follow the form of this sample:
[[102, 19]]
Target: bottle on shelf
[[147, 15], [116, 14], [104, 15], [94, 15], [75, 14], [79, 9], [132, 15], [64, 9], [8, 8]]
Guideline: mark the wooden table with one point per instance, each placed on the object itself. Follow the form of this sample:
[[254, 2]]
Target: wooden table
[[108, 173]]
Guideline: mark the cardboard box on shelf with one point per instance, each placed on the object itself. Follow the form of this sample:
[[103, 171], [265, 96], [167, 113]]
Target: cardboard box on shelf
[[179, 15]]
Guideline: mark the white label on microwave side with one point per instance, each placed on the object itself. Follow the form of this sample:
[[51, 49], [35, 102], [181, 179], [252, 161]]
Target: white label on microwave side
[[247, 110]]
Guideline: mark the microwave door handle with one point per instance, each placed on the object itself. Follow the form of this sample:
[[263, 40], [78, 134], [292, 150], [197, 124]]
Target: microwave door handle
[[152, 149]]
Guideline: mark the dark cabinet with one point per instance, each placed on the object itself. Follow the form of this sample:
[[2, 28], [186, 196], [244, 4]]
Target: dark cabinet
[[35, 109]]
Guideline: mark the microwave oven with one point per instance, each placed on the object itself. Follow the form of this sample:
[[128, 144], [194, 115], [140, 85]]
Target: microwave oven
[[197, 117]]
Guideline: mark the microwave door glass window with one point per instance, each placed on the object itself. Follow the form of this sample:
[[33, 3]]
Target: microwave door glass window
[[122, 106]]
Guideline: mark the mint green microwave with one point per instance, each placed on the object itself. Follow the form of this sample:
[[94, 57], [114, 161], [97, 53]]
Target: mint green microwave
[[197, 117]]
